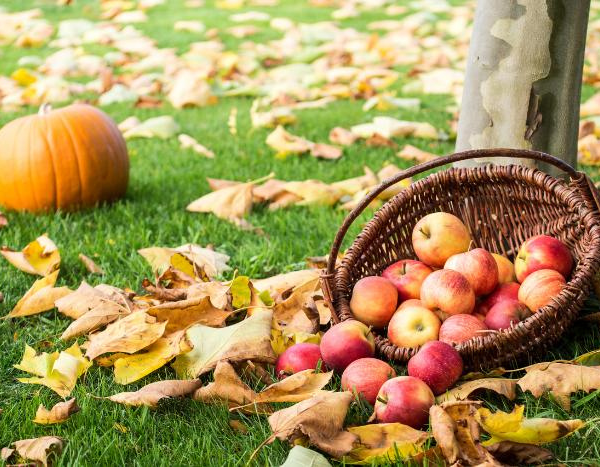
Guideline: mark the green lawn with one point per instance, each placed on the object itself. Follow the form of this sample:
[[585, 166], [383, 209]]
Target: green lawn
[[164, 179]]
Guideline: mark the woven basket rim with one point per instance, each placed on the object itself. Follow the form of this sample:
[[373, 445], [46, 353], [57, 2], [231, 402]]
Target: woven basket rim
[[578, 283]]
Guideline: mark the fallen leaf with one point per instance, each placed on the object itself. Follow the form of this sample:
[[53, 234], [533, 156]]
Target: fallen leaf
[[102, 314], [241, 294], [588, 359], [229, 203], [182, 314], [41, 257], [325, 151], [313, 192], [39, 449], [389, 127], [511, 453], [281, 340], [278, 284], [561, 380], [320, 418], [57, 414], [377, 140], [129, 334], [285, 143], [295, 388], [186, 141], [40, 297], [162, 127], [513, 426], [504, 386], [239, 426], [299, 456], [152, 393], [292, 313], [130, 368], [190, 88], [212, 262], [394, 442], [341, 136], [58, 371], [412, 153], [90, 265], [247, 340], [87, 298], [217, 292]]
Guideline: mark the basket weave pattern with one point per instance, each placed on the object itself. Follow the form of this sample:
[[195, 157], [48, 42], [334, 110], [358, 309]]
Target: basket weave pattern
[[502, 206]]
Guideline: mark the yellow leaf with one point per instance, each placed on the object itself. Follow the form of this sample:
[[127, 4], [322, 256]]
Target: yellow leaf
[[504, 386], [57, 414], [23, 77], [561, 380], [58, 371], [130, 368], [513, 426], [152, 393], [240, 292], [41, 257], [130, 334], [234, 202], [281, 340], [392, 441], [247, 340], [40, 297], [183, 313], [212, 262], [313, 192], [286, 143]]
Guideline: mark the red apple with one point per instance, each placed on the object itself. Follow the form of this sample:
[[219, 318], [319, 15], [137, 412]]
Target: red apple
[[461, 328], [411, 302], [346, 342], [405, 400], [540, 287], [543, 252], [508, 291], [437, 364], [407, 275], [505, 314], [365, 376], [374, 301], [298, 357], [413, 326], [448, 291], [479, 267], [506, 269], [438, 236]]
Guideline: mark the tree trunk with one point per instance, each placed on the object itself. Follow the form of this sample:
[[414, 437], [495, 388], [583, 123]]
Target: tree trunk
[[523, 80]]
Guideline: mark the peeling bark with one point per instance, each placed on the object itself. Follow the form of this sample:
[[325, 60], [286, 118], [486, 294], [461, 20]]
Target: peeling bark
[[523, 82]]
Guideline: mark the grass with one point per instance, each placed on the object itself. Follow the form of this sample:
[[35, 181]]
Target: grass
[[163, 180]]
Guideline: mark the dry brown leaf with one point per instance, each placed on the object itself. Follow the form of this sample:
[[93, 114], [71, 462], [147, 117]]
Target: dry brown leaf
[[57, 414], [182, 314], [313, 192], [412, 153], [341, 136], [205, 259], [40, 297], [292, 314], [351, 186], [280, 283], [102, 314], [190, 88], [378, 141], [41, 257], [229, 203], [286, 143], [218, 293], [561, 380], [394, 442], [38, 449], [504, 386], [90, 265], [511, 453], [320, 418], [249, 339], [86, 298], [295, 388], [152, 393], [186, 141], [130, 368], [130, 334], [325, 151]]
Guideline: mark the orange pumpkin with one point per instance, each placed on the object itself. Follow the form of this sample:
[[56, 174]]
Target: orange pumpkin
[[62, 159]]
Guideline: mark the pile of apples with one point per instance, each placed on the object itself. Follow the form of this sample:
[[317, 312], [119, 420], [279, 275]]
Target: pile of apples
[[450, 295]]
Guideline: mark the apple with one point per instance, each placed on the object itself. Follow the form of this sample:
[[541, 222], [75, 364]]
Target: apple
[[437, 364], [506, 269], [543, 252], [438, 236], [479, 267], [460, 328], [448, 291], [507, 291], [413, 326], [298, 357], [365, 376], [505, 314], [408, 303], [346, 342], [404, 399], [374, 301], [407, 275], [540, 287]]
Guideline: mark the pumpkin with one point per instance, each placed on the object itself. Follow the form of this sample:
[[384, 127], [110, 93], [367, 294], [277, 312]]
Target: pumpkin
[[62, 159]]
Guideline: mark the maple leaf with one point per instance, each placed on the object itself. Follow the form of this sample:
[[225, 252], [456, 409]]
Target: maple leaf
[[181, 314], [231, 203], [40, 297], [36, 449], [57, 414]]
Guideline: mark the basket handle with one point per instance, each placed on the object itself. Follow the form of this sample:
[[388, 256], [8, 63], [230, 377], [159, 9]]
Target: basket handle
[[425, 166]]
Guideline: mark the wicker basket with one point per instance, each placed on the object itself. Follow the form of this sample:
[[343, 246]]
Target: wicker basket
[[502, 206]]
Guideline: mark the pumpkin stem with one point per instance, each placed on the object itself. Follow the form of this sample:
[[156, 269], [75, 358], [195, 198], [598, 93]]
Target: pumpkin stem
[[45, 108]]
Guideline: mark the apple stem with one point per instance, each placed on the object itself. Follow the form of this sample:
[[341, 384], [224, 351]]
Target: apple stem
[[381, 399]]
